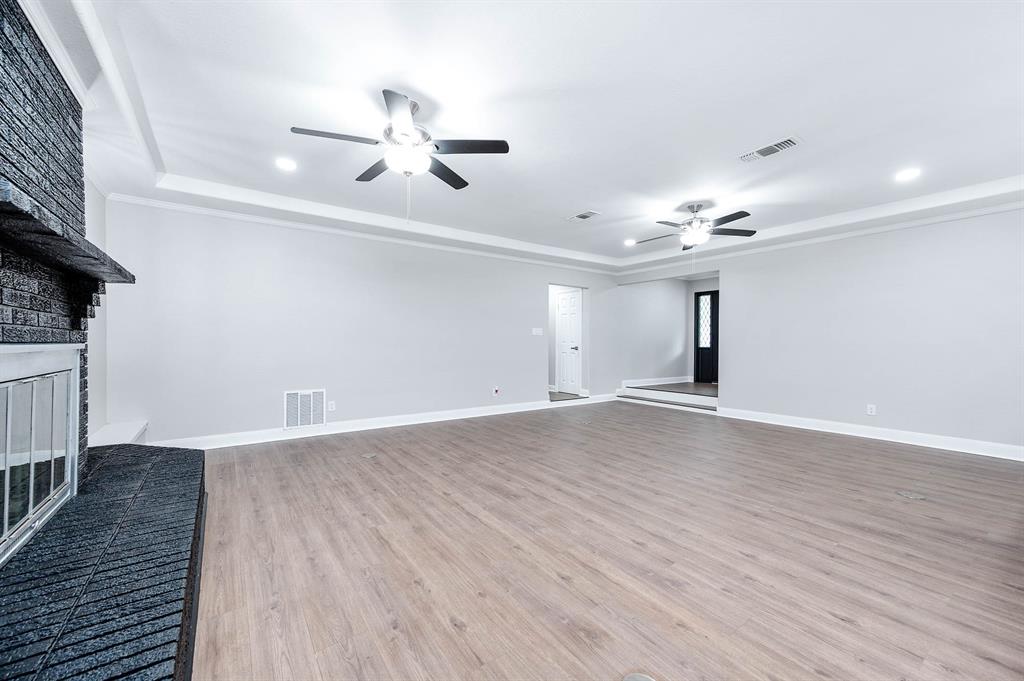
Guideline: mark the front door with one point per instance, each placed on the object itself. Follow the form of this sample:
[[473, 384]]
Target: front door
[[705, 337], [568, 332]]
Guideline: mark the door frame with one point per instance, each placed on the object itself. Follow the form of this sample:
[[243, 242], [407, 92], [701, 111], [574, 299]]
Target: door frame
[[581, 321], [715, 296]]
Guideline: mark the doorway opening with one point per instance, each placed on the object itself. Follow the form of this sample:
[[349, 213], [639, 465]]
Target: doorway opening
[[565, 343]]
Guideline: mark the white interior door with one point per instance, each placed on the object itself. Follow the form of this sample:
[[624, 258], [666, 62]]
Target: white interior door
[[568, 334]]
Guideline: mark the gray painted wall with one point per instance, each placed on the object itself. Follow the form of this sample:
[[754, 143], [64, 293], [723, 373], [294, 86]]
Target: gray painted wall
[[96, 231], [227, 314], [651, 325], [927, 323]]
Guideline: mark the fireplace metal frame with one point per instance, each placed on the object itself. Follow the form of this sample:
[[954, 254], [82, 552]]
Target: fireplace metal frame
[[18, 361]]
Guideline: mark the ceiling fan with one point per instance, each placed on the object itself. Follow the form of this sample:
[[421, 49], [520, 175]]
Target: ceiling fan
[[697, 230], [409, 148]]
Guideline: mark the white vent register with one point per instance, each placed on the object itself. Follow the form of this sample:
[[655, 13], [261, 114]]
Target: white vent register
[[304, 408]]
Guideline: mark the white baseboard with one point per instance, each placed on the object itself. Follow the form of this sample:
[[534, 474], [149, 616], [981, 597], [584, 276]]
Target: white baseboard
[[636, 382], [252, 437], [957, 444]]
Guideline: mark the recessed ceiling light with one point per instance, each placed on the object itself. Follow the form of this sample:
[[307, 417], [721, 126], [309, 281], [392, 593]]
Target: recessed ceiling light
[[285, 164], [907, 174], [629, 242]]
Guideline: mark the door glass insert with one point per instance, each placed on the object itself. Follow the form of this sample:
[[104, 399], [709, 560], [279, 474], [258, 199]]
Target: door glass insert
[[704, 322]]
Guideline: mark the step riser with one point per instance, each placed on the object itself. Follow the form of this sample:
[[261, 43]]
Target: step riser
[[684, 399]]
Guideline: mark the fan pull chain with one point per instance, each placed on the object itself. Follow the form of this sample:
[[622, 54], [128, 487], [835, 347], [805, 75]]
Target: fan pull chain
[[408, 197]]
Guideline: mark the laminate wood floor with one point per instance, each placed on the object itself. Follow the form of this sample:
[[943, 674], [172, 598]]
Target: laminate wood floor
[[596, 540]]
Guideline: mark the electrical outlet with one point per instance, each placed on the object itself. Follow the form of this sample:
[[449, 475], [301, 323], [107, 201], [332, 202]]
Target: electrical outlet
[[331, 406], [872, 410], [495, 391]]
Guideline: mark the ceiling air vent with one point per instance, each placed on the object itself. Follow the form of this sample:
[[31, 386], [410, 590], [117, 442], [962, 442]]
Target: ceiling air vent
[[304, 408], [585, 215], [771, 149]]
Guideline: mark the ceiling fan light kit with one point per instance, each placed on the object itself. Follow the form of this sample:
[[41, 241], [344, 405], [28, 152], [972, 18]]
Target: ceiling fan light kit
[[407, 160], [409, 148], [698, 230]]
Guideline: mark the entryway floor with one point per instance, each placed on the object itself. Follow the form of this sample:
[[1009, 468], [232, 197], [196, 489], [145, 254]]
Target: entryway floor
[[558, 397], [706, 389]]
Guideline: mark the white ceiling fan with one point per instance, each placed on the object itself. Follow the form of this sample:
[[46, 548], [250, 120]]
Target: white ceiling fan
[[409, 148], [697, 230]]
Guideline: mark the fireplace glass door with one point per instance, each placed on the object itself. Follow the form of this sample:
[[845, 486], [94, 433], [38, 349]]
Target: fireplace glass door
[[34, 415]]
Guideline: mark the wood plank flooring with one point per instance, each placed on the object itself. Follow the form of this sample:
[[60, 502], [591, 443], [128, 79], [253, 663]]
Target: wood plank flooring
[[601, 539]]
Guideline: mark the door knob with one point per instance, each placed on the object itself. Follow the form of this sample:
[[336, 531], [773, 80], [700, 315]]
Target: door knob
[[575, 347]]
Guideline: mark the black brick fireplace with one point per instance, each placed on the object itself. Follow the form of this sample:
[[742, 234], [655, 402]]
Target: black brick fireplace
[[51, 278], [99, 560]]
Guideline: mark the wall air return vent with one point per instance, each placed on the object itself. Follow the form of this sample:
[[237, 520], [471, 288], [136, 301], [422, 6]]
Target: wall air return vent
[[304, 408], [585, 215], [771, 149]]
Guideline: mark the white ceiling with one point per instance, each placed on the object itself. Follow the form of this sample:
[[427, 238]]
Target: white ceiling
[[629, 109]]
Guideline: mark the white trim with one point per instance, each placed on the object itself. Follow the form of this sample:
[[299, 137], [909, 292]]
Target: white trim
[[693, 261], [55, 47], [664, 405], [333, 427], [584, 392], [956, 444], [997, 450], [675, 398], [552, 388], [880, 217], [20, 348], [339, 231], [117, 68], [254, 197], [637, 382]]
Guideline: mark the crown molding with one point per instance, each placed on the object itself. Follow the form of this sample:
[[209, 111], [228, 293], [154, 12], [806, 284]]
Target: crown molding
[[114, 60], [423, 230], [996, 192], [37, 16], [664, 271], [338, 231], [117, 68]]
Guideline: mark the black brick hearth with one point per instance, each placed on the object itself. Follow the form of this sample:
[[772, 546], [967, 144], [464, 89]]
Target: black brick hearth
[[109, 586]]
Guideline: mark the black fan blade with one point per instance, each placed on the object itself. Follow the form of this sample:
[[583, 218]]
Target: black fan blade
[[729, 218], [655, 238], [471, 146], [448, 175], [669, 224], [400, 113], [335, 136], [373, 171], [734, 232], [686, 248]]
